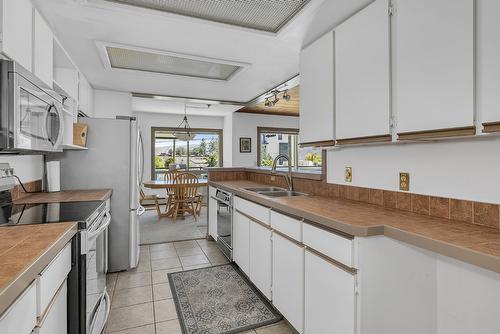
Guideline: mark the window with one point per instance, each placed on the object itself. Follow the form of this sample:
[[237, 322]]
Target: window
[[204, 150], [275, 141]]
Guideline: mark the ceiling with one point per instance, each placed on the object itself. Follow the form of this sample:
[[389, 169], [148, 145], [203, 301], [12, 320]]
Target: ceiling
[[282, 108], [268, 58]]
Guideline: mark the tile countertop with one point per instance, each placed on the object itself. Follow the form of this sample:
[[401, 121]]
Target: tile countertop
[[66, 196], [25, 251], [473, 244]]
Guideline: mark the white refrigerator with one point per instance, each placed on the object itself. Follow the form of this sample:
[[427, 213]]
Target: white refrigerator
[[114, 159]]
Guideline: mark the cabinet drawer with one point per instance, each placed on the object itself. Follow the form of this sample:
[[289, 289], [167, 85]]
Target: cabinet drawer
[[330, 244], [20, 317], [55, 320], [52, 277], [287, 225], [256, 211]]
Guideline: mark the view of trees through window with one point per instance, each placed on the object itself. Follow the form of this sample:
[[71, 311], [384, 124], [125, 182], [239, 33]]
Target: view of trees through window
[[195, 154], [273, 142]]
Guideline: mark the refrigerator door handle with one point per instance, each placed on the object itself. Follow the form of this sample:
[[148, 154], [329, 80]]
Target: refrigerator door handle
[[140, 177]]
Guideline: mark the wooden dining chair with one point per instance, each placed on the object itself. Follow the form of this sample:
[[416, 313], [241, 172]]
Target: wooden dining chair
[[169, 176], [146, 199], [185, 197]]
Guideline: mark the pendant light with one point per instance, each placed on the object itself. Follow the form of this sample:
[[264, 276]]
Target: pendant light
[[183, 131]]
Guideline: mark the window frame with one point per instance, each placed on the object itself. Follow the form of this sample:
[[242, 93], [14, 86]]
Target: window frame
[[154, 129], [262, 129]]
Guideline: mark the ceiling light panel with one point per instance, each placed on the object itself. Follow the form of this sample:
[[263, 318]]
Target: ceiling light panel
[[266, 15], [148, 61]]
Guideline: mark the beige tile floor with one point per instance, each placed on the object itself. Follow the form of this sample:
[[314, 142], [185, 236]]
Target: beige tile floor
[[141, 298]]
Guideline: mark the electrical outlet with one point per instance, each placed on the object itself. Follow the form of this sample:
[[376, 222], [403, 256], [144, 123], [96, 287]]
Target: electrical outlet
[[404, 181], [348, 174], [273, 178]]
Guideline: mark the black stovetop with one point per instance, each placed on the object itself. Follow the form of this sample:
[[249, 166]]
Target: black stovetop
[[26, 214]]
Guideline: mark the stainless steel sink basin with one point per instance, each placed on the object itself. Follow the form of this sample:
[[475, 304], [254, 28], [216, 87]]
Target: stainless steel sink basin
[[258, 190], [282, 193]]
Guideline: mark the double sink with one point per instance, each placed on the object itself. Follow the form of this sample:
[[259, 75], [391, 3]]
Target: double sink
[[275, 192]]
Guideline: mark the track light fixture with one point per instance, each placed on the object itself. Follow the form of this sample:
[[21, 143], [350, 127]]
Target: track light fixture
[[274, 94], [286, 96]]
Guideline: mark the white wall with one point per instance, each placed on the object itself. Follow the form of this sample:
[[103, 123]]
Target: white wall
[[463, 169], [245, 125], [228, 140], [27, 167], [109, 104]]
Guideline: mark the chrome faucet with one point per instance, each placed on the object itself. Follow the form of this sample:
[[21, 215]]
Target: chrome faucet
[[288, 177]]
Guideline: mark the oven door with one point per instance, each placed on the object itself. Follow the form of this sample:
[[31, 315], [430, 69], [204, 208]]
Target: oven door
[[97, 308], [225, 228], [38, 117]]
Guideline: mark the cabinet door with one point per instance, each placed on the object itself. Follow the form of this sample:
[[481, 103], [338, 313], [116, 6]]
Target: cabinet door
[[488, 66], [362, 73], [241, 242], [85, 96], [288, 280], [434, 64], [317, 114], [55, 322], [260, 258], [43, 49], [330, 298], [17, 31], [212, 218]]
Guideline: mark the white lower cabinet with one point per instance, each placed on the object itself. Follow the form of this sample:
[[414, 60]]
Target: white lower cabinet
[[241, 242], [20, 317], [288, 280], [260, 258], [330, 297], [56, 319]]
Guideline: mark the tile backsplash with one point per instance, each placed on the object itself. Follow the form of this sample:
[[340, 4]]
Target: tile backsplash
[[485, 214]]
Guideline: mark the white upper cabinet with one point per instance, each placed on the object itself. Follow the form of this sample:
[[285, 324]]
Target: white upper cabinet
[[433, 64], [317, 110], [488, 64], [43, 49], [362, 73], [17, 31]]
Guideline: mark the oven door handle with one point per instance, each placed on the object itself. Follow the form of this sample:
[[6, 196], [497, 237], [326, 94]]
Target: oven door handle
[[102, 226]]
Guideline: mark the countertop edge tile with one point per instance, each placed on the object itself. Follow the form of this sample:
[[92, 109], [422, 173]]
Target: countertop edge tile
[[64, 196], [12, 289]]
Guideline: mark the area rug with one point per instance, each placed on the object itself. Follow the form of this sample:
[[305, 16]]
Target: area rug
[[219, 300]]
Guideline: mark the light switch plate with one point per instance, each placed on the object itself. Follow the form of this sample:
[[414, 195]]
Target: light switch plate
[[404, 181], [348, 174]]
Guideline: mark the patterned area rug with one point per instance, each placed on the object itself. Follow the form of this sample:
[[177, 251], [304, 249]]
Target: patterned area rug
[[219, 300]]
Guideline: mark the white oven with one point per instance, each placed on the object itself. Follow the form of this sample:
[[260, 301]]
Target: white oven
[[31, 114]]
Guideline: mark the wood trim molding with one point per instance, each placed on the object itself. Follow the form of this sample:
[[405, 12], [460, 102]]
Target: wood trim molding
[[340, 265], [289, 114], [438, 133], [364, 140], [318, 143], [292, 240], [254, 220], [489, 127]]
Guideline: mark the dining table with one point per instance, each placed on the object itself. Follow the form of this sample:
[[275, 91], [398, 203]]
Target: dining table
[[170, 184], [166, 184]]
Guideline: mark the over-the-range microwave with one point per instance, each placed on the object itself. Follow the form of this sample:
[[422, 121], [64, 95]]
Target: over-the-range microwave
[[31, 114]]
